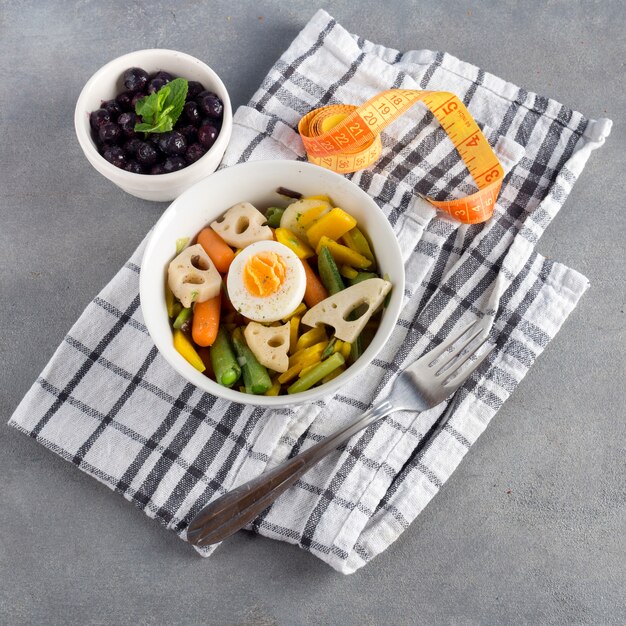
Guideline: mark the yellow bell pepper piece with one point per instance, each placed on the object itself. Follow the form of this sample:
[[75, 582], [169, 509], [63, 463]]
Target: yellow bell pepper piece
[[345, 349], [308, 355], [314, 213], [348, 272], [290, 374], [311, 337], [308, 368], [294, 326], [274, 390], [334, 224], [187, 351], [338, 345], [294, 243], [355, 240], [342, 254], [322, 197], [300, 310]]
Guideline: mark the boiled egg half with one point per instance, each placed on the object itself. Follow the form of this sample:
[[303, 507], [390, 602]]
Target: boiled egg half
[[266, 281]]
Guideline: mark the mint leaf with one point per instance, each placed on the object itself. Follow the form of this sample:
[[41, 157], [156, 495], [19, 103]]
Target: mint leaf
[[160, 111], [176, 98]]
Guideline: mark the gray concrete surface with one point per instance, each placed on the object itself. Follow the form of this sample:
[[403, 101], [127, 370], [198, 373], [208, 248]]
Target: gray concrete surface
[[530, 529]]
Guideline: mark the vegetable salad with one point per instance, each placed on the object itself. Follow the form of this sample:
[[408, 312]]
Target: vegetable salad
[[278, 302]]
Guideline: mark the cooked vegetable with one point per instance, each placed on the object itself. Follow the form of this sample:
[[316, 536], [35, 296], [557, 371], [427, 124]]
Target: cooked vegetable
[[270, 344], [187, 351], [242, 225], [361, 276], [315, 292], [348, 272], [336, 309], [343, 254], [329, 272], [218, 250], [310, 216], [336, 372], [299, 310], [356, 240], [330, 348], [356, 349], [183, 317], [274, 390], [206, 321], [311, 337], [334, 225], [294, 212], [273, 215], [294, 325], [322, 370], [193, 277], [170, 301], [225, 365], [181, 244], [293, 242], [255, 376]]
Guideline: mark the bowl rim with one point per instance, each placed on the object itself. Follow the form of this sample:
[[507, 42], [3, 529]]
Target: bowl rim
[[204, 383], [83, 133]]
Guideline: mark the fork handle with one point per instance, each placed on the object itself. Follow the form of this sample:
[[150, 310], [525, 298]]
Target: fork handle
[[232, 511]]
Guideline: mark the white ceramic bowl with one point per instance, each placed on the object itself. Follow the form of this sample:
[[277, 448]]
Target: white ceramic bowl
[[256, 182], [106, 83]]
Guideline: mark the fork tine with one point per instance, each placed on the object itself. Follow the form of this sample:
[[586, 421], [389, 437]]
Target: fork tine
[[455, 353], [449, 382], [435, 353]]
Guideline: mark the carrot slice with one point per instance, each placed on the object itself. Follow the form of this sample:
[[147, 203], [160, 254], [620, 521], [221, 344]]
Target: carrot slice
[[315, 291], [206, 321], [218, 250]]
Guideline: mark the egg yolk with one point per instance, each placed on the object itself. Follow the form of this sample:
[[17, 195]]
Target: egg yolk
[[264, 274]]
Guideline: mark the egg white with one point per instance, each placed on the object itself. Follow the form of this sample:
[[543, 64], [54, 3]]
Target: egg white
[[277, 305]]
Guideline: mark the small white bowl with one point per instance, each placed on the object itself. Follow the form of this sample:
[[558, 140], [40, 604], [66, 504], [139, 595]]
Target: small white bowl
[[106, 84], [256, 182]]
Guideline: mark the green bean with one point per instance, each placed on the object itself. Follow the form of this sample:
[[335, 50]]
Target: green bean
[[273, 215], [255, 376], [182, 317], [329, 272], [317, 373], [225, 365], [329, 349]]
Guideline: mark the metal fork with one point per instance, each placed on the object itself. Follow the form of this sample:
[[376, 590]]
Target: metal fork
[[420, 386]]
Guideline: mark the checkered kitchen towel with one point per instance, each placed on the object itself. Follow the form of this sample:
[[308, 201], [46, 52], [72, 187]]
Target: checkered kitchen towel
[[110, 404]]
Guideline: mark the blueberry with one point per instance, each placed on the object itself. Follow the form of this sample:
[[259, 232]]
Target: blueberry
[[210, 104], [174, 163], [194, 152], [172, 143], [112, 107], [192, 112], [99, 117], [131, 146], [207, 134], [155, 84], [115, 155], [194, 89], [124, 100], [163, 75], [136, 98], [147, 154], [127, 121], [110, 133], [189, 132], [158, 169], [134, 167], [135, 79]]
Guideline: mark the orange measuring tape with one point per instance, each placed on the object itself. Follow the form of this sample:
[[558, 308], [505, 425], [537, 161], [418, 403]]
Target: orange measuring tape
[[346, 138]]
